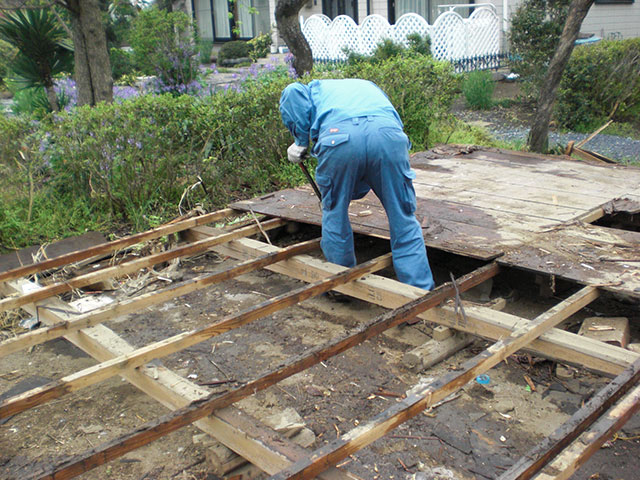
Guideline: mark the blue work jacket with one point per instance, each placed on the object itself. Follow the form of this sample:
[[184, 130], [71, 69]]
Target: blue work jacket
[[308, 109]]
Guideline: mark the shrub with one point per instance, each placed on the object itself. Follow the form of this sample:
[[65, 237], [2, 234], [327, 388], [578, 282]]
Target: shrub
[[233, 50], [205, 47], [260, 46], [534, 35], [163, 45], [419, 44], [387, 49], [7, 53], [122, 63], [478, 89], [420, 88], [596, 78]]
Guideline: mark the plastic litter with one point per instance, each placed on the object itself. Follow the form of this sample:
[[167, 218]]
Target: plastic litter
[[483, 379]]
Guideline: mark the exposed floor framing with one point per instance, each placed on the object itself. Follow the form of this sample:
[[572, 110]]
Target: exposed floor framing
[[505, 210]]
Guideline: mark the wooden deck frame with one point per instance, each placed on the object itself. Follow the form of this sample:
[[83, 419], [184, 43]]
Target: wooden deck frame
[[164, 425], [134, 265], [305, 466], [115, 245], [481, 321], [110, 368], [435, 391], [124, 307]]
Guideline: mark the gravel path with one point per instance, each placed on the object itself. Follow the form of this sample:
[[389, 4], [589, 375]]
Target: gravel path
[[622, 149]]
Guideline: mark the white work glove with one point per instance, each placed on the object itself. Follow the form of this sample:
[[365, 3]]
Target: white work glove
[[296, 153]]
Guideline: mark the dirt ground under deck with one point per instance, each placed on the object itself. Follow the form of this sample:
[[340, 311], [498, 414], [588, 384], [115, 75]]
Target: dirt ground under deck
[[476, 435]]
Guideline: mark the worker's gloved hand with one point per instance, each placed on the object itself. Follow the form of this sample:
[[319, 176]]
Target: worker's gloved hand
[[296, 153]]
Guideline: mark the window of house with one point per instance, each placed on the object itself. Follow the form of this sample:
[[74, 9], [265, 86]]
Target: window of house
[[221, 20]]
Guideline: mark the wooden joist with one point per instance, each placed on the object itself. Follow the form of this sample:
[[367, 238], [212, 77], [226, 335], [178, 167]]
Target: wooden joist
[[436, 391], [134, 265], [143, 301], [534, 460], [555, 343], [228, 425], [104, 370], [565, 465], [114, 245], [185, 416]]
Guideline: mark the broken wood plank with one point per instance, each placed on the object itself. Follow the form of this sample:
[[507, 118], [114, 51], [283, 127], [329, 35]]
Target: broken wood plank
[[566, 464], [104, 370], [114, 245], [436, 391], [143, 301], [228, 425], [556, 343], [166, 424], [132, 266], [537, 458]]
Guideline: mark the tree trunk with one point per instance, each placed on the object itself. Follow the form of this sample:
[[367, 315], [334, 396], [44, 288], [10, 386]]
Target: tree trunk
[[52, 97], [539, 136], [289, 29], [94, 82]]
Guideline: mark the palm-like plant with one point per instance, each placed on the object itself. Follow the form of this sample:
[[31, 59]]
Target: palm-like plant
[[44, 50]]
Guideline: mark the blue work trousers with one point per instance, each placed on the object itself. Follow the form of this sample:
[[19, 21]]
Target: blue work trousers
[[357, 155]]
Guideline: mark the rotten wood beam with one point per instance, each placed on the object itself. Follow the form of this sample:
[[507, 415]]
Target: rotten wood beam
[[537, 458], [132, 266], [104, 370], [162, 426], [115, 245], [434, 392], [109, 312], [571, 459]]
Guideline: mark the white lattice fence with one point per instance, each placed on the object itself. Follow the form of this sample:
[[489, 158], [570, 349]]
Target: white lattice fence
[[452, 37]]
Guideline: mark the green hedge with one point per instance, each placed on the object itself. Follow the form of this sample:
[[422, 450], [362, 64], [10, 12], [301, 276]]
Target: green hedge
[[597, 77], [132, 161]]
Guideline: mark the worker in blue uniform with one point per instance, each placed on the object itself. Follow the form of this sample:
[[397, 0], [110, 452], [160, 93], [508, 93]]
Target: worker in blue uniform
[[360, 145]]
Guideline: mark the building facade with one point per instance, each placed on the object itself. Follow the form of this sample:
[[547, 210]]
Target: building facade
[[222, 20]]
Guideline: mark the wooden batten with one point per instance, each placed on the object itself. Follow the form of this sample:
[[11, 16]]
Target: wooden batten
[[434, 392], [104, 370], [154, 298], [133, 266], [115, 245], [199, 409]]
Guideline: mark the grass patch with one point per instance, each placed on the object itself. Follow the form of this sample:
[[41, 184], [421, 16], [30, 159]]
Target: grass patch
[[478, 89]]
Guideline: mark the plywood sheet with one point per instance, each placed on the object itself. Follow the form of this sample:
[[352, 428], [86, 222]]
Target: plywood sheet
[[521, 207]]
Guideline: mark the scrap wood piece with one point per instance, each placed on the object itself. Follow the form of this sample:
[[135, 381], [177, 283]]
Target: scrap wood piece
[[178, 342], [435, 391], [132, 266], [166, 424], [535, 459], [173, 391], [565, 465], [95, 317], [73, 257], [482, 321]]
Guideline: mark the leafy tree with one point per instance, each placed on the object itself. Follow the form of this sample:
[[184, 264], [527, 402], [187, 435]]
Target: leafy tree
[[91, 57], [44, 50], [163, 45], [535, 32]]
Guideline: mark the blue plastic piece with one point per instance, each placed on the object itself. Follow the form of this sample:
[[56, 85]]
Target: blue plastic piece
[[483, 379]]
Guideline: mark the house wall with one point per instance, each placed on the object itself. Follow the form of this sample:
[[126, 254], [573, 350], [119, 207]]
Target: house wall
[[605, 20], [613, 20]]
